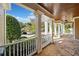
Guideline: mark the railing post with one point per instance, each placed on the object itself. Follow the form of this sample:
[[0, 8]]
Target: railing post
[[38, 31]]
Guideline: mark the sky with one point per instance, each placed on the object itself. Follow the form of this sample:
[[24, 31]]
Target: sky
[[20, 13]]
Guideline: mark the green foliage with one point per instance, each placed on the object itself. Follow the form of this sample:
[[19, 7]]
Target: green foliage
[[33, 28], [22, 25], [67, 28], [13, 30], [29, 27]]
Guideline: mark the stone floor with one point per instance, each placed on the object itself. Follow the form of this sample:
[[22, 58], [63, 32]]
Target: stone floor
[[65, 46]]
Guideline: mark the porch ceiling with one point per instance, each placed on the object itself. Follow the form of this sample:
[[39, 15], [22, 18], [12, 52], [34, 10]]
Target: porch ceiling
[[35, 6], [60, 9], [56, 10]]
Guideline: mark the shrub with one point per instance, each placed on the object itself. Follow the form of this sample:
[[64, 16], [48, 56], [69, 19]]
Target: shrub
[[13, 30]]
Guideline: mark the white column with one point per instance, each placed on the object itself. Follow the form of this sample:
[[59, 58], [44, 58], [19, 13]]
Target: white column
[[71, 29], [38, 31], [2, 27], [50, 30], [59, 30], [63, 25], [46, 27], [55, 32], [50, 27]]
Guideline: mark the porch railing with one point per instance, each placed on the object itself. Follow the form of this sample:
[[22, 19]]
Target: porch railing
[[21, 48], [46, 39], [25, 47]]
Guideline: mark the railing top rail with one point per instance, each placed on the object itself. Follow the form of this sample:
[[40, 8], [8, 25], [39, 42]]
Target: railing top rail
[[19, 41]]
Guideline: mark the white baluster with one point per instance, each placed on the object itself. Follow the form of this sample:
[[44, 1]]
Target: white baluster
[[32, 45], [5, 51], [35, 43], [17, 49], [14, 50], [29, 46], [26, 48], [10, 50], [21, 49]]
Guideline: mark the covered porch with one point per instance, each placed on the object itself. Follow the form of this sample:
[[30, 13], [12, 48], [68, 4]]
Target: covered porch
[[56, 39], [65, 46]]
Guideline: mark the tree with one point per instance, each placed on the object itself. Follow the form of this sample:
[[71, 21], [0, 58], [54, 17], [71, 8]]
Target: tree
[[29, 27], [13, 30], [22, 25]]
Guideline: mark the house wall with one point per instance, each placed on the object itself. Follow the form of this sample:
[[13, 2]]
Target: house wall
[[2, 27], [77, 28]]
